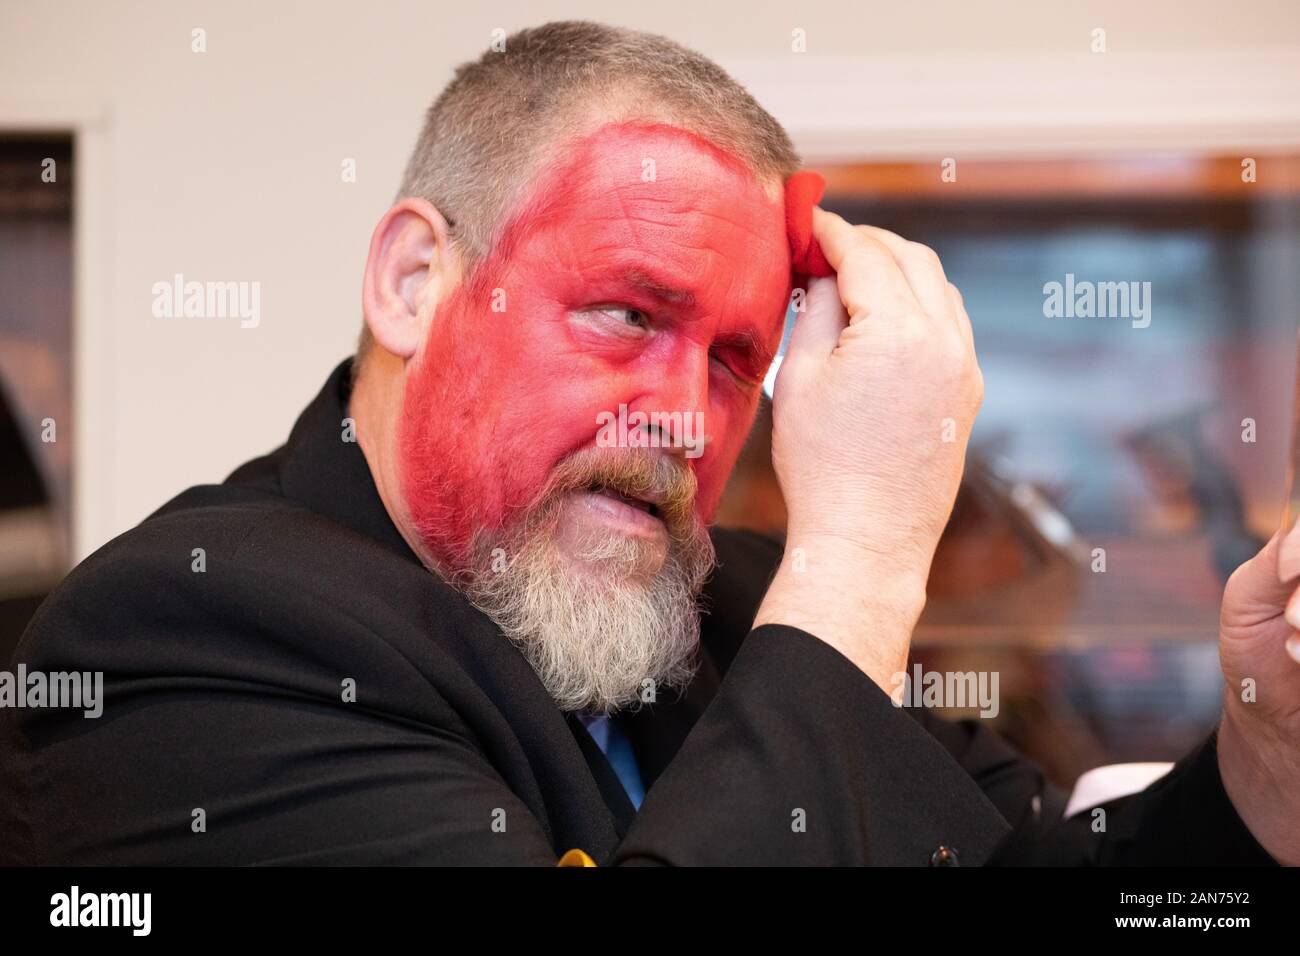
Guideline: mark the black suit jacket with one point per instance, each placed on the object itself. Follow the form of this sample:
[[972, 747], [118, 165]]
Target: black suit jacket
[[226, 736]]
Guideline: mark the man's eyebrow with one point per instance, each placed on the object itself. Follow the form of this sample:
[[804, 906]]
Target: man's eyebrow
[[659, 290], [746, 340]]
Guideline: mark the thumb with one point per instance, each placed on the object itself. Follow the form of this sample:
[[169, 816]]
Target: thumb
[[1288, 557], [1256, 591]]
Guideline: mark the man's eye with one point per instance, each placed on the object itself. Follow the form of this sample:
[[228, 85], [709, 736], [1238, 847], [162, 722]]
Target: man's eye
[[732, 369], [633, 318]]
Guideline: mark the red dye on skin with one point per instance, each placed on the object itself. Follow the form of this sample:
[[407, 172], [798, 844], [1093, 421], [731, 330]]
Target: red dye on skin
[[803, 191], [666, 295]]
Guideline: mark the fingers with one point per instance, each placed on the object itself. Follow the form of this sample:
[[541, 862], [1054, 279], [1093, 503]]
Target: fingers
[[916, 265], [1288, 559], [922, 269], [817, 330], [1292, 613], [1278, 558], [924, 273], [881, 274], [870, 280], [963, 320], [1254, 593]]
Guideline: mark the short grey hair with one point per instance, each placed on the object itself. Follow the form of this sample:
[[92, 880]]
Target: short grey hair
[[486, 134]]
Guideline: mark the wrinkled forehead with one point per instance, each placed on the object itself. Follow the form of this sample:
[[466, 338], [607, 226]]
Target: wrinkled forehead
[[629, 192]]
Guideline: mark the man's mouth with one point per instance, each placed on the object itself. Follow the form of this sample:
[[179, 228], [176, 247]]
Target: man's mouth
[[642, 504], [625, 521]]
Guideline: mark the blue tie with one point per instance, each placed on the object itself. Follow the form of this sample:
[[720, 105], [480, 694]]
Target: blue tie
[[617, 748]]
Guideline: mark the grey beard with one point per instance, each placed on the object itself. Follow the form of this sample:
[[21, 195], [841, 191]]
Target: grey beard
[[598, 640]]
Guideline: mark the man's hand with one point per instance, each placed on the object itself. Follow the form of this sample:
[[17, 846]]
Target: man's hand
[[872, 411], [1259, 734]]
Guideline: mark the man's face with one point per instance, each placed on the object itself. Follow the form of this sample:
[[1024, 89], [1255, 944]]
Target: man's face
[[646, 270]]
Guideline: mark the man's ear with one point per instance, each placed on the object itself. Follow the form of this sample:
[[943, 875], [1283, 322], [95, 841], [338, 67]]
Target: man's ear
[[409, 267]]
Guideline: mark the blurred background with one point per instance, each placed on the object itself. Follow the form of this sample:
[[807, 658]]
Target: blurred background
[[1120, 468]]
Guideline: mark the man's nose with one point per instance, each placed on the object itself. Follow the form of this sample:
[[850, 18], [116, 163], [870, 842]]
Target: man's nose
[[676, 398]]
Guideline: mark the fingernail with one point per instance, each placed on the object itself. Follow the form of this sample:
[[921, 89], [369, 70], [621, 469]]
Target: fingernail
[[1292, 613], [1293, 647]]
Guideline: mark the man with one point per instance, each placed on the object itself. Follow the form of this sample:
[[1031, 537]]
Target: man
[[472, 635]]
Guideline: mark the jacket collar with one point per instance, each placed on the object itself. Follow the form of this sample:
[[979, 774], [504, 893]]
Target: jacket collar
[[322, 470], [327, 473]]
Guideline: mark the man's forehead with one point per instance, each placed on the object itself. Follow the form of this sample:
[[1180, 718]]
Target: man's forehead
[[651, 153], [650, 175], [657, 209]]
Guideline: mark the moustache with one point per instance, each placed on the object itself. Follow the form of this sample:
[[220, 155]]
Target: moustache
[[663, 482]]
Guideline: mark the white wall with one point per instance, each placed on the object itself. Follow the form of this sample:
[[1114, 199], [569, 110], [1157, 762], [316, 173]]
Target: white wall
[[225, 166]]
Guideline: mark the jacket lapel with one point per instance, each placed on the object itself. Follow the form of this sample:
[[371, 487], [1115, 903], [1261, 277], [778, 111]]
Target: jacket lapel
[[562, 775]]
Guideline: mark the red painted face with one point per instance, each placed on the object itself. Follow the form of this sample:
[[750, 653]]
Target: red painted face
[[648, 269]]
